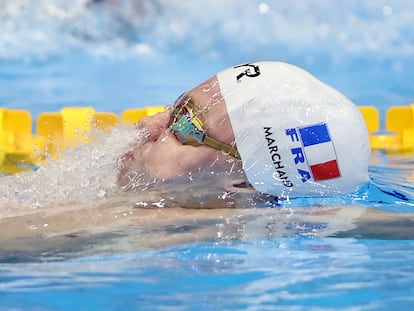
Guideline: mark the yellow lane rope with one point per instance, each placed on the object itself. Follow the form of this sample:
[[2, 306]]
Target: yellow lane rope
[[55, 131]]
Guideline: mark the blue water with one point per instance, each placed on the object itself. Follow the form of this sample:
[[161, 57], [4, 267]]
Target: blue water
[[62, 53], [284, 274]]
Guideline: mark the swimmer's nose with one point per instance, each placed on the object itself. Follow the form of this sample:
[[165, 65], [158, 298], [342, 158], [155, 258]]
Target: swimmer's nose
[[155, 125]]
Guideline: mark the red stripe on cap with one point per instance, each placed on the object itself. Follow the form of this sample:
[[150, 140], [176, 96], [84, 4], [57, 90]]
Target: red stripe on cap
[[327, 170]]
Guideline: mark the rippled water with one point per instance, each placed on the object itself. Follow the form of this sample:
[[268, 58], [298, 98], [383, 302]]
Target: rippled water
[[285, 274], [86, 246], [264, 258]]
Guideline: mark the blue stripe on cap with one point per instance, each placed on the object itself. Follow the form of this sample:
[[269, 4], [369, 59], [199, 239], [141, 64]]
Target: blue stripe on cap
[[315, 134]]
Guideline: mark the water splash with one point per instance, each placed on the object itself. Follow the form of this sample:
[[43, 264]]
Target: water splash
[[163, 50], [43, 28], [83, 174]]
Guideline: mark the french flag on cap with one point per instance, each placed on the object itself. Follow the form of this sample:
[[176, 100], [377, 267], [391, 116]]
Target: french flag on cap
[[319, 151]]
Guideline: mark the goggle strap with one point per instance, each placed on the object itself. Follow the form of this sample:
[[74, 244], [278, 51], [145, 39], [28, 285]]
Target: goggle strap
[[209, 141]]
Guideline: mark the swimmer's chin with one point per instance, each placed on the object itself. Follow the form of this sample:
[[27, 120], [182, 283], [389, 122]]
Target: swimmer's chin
[[122, 178], [139, 179], [121, 181], [129, 180]]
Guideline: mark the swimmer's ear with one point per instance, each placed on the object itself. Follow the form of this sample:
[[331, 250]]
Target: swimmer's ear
[[241, 186], [246, 190]]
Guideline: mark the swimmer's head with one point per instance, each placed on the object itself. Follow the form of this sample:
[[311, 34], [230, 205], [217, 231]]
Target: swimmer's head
[[287, 132], [295, 134]]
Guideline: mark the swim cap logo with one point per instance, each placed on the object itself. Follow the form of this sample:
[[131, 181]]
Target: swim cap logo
[[316, 151], [251, 71], [280, 171]]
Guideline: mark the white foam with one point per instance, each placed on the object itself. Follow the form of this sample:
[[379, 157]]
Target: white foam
[[83, 174], [50, 27]]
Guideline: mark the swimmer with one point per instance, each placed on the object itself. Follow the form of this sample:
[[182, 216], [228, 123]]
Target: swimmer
[[259, 131], [271, 127]]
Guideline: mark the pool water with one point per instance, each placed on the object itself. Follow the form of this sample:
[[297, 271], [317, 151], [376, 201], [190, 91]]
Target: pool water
[[116, 55], [276, 274]]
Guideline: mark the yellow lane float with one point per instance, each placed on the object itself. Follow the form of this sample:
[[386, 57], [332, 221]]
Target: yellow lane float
[[55, 131]]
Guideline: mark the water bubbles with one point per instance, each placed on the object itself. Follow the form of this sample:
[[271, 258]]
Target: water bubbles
[[142, 48], [101, 193], [387, 10], [159, 204], [141, 204], [56, 11], [224, 195], [263, 8], [83, 174], [155, 28]]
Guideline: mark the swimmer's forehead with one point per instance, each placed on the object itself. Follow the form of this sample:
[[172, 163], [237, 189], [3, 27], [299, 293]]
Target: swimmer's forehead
[[202, 94], [180, 98]]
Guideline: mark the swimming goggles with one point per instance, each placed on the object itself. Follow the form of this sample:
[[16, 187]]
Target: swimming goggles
[[189, 130]]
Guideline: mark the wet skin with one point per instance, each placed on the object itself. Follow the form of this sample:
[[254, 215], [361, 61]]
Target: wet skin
[[162, 156]]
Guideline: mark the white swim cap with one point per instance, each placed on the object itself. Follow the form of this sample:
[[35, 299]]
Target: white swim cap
[[296, 135]]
